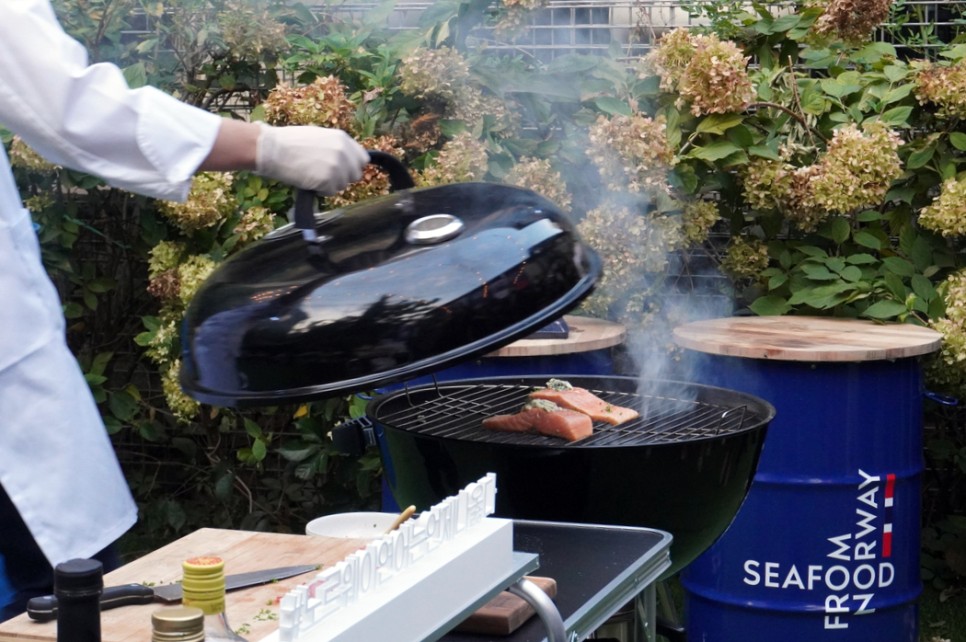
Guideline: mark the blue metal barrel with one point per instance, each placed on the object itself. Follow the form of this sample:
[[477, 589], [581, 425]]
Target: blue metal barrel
[[826, 543]]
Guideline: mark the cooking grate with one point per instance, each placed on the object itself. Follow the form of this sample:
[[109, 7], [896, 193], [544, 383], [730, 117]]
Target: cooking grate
[[456, 411]]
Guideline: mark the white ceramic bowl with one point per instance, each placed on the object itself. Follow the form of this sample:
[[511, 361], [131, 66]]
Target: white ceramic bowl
[[351, 525]]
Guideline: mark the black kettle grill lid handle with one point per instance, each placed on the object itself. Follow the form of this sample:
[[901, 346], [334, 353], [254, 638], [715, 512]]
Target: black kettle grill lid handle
[[399, 179]]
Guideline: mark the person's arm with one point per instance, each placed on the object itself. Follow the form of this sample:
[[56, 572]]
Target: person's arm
[[86, 117]]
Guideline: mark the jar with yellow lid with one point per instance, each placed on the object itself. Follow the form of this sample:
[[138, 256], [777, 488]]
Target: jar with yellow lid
[[203, 586]]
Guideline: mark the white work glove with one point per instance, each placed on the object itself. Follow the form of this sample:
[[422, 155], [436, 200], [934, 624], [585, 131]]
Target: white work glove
[[311, 158]]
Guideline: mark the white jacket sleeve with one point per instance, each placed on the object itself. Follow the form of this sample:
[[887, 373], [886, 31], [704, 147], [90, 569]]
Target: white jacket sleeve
[[86, 117]]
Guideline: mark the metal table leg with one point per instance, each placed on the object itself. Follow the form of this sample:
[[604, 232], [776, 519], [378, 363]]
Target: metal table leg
[[544, 606]]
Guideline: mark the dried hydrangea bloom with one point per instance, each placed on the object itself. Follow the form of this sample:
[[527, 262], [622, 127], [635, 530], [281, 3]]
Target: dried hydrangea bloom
[[255, 222], [209, 202], [473, 106], [800, 209], [23, 156], [184, 408], [323, 102], [943, 86], [165, 286], [669, 59], [851, 21], [462, 159], [947, 212], [249, 31], [631, 153], [513, 16], [166, 255], [39, 202], [192, 273], [947, 371], [421, 134], [374, 181], [710, 74], [857, 168], [716, 79], [766, 184], [745, 258], [538, 175], [697, 220], [434, 73], [634, 246]]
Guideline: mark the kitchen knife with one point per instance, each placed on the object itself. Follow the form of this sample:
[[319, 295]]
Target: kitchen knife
[[44, 608]]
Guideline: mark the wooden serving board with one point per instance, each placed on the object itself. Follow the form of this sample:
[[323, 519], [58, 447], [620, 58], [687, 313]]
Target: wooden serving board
[[253, 611], [819, 339], [506, 612]]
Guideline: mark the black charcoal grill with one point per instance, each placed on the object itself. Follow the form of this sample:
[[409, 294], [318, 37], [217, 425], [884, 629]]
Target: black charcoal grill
[[684, 466]]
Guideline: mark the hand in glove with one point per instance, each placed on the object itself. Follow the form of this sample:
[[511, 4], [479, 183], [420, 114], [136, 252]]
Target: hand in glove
[[311, 158]]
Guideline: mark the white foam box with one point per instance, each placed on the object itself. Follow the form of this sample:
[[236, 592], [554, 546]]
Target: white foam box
[[432, 591]]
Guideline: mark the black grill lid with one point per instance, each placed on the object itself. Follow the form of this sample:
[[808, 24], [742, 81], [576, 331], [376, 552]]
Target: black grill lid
[[383, 291]]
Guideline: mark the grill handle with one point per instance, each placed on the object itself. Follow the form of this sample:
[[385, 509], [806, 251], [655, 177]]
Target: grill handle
[[304, 215], [353, 437]]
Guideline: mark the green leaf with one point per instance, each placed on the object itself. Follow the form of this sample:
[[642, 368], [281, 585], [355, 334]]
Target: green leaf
[[837, 230], [920, 157], [895, 73], [123, 406], [253, 429], [897, 116], [884, 310], [818, 272], [777, 281], [958, 140], [851, 273], [923, 288], [718, 123], [866, 239], [715, 151], [613, 106], [684, 177], [861, 258], [770, 305], [898, 266], [764, 152]]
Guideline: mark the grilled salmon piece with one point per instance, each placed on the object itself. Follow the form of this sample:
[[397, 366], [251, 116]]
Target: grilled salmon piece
[[546, 419], [582, 400]]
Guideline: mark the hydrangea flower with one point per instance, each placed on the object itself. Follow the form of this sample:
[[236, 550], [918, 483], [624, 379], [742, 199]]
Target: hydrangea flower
[[632, 153], [538, 175]]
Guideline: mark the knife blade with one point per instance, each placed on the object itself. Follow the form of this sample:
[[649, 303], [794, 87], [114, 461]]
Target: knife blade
[[44, 608]]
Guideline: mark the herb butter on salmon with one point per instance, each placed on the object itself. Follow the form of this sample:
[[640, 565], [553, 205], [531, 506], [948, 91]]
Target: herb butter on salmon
[[565, 395]]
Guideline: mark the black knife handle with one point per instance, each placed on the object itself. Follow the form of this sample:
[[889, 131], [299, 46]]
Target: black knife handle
[[44, 608]]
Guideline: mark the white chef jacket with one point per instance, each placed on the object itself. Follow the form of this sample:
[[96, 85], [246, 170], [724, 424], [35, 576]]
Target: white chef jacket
[[56, 460]]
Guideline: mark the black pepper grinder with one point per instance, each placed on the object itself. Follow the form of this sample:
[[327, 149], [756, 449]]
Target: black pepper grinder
[[78, 585]]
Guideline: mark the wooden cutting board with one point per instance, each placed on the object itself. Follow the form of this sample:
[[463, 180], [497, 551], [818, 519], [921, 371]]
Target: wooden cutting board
[[506, 612], [819, 339], [254, 611]]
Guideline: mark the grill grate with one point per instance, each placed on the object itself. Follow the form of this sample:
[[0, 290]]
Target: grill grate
[[456, 411]]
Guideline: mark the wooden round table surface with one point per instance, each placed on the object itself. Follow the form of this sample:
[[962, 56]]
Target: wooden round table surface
[[791, 338], [586, 334]]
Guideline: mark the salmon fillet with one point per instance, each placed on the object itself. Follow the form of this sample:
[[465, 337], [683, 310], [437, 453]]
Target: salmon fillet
[[545, 419], [582, 400]]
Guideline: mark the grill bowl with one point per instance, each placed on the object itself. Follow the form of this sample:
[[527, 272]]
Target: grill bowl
[[683, 467]]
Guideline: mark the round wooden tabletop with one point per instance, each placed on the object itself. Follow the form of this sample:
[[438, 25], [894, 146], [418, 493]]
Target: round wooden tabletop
[[586, 334], [791, 338]]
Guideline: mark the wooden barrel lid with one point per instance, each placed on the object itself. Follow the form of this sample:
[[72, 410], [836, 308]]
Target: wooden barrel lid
[[791, 338], [586, 334]]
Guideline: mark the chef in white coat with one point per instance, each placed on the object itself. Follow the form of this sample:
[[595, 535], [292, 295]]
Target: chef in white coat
[[62, 493]]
